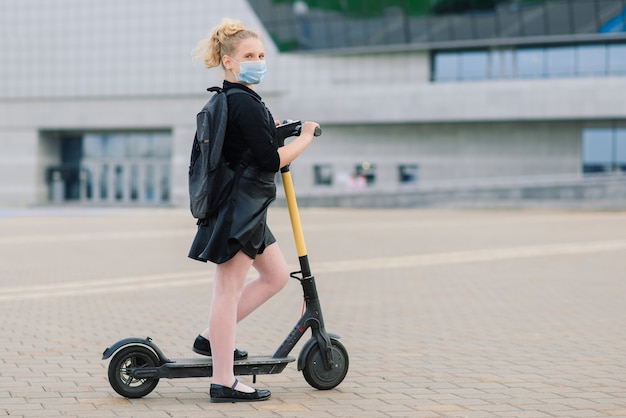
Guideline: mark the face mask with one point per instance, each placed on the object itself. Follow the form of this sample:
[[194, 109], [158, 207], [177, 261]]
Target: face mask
[[251, 72]]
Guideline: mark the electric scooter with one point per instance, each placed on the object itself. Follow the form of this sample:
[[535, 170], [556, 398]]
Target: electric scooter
[[137, 364]]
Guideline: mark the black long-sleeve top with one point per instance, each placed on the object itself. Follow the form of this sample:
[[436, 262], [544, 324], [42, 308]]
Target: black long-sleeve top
[[250, 125]]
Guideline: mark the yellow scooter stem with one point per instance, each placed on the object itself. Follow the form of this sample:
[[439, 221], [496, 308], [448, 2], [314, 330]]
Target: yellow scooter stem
[[286, 130], [294, 215], [296, 225]]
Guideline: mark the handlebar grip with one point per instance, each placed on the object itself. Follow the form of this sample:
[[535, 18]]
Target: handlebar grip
[[292, 128]]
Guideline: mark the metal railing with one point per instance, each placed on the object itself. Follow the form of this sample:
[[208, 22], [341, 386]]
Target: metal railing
[[111, 182], [322, 25]]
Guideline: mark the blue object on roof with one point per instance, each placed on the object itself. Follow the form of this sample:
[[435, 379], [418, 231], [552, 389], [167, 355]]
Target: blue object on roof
[[615, 24]]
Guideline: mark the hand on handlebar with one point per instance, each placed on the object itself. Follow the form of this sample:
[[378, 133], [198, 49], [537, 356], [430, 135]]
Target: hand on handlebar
[[309, 128], [296, 128]]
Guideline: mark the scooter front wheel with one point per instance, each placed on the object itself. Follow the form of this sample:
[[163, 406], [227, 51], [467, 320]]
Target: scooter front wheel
[[123, 362], [317, 375]]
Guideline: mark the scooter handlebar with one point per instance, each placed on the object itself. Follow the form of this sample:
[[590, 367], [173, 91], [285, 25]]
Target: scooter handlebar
[[291, 128]]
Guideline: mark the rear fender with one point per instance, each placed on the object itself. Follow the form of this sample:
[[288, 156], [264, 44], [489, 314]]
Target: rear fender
[[126, 342]]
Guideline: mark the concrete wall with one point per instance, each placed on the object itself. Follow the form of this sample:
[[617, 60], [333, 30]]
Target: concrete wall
[[26, 153], [441, 150], [445, 150], [18, 165], [415, 101], [595, 192]]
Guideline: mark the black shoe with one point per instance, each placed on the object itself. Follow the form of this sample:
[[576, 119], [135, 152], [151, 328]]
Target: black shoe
[[203, 346], [221, 393]]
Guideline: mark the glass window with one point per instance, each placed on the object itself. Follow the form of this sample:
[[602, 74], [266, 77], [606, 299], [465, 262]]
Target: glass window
[[165, 182], [365, 172], [132, 166], [162, 145], [407, 173], [139, 146], [529, 63], [133, 145], [501, 63], [560, 62], [598, 146], [446, 66], [548, 62], [104, 182], [323, 174], [597, 150], [604, 149], [474, 65], [149, 194], [119, 182], [617, 59], [591, 60], [114, 146], [620, 148], [93, 145], [134, 182]]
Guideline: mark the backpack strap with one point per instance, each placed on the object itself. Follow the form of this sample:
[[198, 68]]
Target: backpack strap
[[235, 90], [247, 156]]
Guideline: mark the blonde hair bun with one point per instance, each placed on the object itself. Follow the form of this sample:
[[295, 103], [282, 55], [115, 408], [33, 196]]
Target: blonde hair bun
[[223, 40]]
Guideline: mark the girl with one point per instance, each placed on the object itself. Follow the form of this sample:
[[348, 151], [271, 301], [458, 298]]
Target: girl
[[237, 236]]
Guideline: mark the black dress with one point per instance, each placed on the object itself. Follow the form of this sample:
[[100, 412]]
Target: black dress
[[240, 224]]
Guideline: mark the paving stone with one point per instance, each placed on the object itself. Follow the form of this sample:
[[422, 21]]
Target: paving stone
[[444, 313]]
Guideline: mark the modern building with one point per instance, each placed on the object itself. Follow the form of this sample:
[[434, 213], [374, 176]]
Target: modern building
[[98, 99]]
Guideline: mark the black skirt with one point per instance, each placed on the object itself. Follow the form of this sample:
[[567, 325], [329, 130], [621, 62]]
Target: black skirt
[[240, 224]]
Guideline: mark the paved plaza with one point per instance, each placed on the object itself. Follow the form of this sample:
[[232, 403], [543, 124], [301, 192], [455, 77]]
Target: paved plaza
[[445, 313]]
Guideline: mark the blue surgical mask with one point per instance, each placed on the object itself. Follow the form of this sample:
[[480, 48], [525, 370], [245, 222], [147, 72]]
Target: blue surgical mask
[[251, 72]]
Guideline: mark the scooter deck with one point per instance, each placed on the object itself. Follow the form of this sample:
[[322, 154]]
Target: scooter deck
[[200, 361], [203, 367]]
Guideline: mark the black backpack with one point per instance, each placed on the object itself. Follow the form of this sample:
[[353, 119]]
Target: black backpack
[[211, 180]]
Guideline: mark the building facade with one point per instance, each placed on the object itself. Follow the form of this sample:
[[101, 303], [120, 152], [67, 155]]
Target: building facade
[[98, 99]]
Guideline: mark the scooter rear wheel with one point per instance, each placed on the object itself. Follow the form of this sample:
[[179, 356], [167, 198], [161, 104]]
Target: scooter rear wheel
[[119, 371], [316, 374]]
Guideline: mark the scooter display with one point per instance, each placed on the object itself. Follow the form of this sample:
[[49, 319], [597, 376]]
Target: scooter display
[[137, 364]]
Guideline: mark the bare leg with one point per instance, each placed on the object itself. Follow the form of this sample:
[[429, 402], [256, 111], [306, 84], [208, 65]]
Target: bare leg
[[273, 276], [232, 301], [227, 290]]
